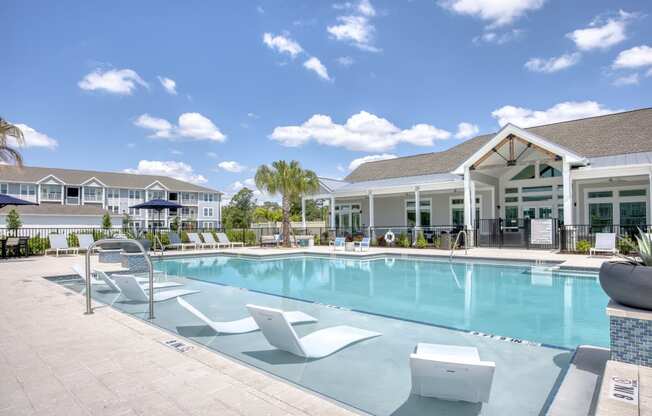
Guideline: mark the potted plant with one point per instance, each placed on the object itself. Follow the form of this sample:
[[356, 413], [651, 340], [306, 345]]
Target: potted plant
[[630, 282]]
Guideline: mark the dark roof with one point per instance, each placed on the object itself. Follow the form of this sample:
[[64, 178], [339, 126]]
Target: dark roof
[[111, 179], [57, 209], [613, 134]]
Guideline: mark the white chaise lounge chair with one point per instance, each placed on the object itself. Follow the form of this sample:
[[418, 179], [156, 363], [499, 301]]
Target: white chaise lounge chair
[[451, 372], [224, 239], [59, 243], [242, 326], [194, 238], [208, 237], [81, 273], [276, 328], [85, 241], [142, 281], [604, 243], [132, 290], [175, 242]]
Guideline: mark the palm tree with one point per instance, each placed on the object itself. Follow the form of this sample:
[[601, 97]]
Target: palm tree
[[290, 181], [7, 153]]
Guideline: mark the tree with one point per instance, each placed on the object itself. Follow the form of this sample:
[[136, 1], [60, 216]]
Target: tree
[[174, 224], [106, 221], [289, 180], [239, 212], [7, 153], [13, 220], [125, 221]]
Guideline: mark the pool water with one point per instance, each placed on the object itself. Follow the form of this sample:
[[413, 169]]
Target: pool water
[[534, 303]]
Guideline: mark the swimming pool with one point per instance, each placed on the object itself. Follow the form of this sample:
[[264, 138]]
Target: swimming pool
[[540, 304]]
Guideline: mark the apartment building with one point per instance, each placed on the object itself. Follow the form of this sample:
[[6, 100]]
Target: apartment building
[[73, 198]]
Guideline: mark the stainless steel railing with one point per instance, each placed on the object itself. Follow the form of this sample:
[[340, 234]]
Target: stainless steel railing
[[150, 266], [457, 239]]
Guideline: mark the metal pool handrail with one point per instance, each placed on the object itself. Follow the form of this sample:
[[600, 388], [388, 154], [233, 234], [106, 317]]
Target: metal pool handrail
[[457, 239], [89, 309]]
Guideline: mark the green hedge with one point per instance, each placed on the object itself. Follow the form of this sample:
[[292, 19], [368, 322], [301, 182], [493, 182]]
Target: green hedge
[[250, 238]]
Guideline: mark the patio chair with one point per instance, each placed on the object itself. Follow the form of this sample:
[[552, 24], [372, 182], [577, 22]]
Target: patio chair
[[451, 372], [59, 243], [338, 243], [208, 237], [132, 290], [143, 281], [224, 239], [85, 241], [278, 331], [604, 243], [270, 240], [362, 245], [194, 238], [13, 244], [244, 325], [175, 242]]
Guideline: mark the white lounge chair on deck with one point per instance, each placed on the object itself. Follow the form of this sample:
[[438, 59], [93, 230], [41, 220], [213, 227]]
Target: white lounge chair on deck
[[194, 238], [604, 243], [224, 239], [85, 241], [451, 372], [175, 242], [338, 243], [59, 243], [244, 325], [132, 290], [208, 237], [143, 281], [277, 330]]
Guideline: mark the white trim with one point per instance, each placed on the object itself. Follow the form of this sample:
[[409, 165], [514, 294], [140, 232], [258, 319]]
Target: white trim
[[615, 199], [405, 210], [93, 179], [610, 172], [450, 206], [163, 186], [46, 177], [511, 129]]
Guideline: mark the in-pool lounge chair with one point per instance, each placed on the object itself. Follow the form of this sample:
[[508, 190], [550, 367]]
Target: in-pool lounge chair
[[224, 239], [132, 290], [175, 242], [604, 243], [338, 244], [59, 243], [194, 239], [143, 281], [278, 331], [451, 372], [244, 325], [208, 237], [362, 245]]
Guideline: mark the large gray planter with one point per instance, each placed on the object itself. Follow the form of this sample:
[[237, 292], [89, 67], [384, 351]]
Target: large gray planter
[[627, 284]]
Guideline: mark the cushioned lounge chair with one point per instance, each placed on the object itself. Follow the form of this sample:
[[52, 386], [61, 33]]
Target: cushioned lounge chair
[[59, 244], [132, 290], [244, 325], [604, 243], [85, 241], [278, 331]]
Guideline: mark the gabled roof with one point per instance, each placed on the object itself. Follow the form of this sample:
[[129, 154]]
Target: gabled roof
[[111, 179], [613, 134]]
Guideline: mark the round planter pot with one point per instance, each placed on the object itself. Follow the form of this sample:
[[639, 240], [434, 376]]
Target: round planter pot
[[627, 284]]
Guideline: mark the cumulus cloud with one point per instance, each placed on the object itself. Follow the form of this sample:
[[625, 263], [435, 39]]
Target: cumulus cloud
[[466, 130], [553, 64], [315, 65], [190, 125], [636, 57], [569, 110], [356, 28], [601, 33], [33, 138], [345, 61], [114, 81], [362, 131], [231, 166], [177, 170], [169, 84], [282, 44], [371, 158], [626, 80], [496, 12]]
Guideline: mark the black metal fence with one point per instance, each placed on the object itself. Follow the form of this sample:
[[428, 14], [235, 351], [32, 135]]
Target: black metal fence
[[514, 233]]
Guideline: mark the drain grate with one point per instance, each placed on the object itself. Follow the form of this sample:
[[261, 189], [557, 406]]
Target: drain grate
[[177, 345]]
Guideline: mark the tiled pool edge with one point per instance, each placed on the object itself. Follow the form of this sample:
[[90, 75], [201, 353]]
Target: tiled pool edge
[[630, 331]]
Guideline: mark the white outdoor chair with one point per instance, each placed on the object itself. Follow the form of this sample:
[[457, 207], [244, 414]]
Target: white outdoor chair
[[208, 237], [132, 290], [451, 372], [85, 241], [244, 325], [604, 243], [59, 243], [175, 242], [194, 238], [278, 331], [143, 281], [338, 243], [224, 239], [362, 245]]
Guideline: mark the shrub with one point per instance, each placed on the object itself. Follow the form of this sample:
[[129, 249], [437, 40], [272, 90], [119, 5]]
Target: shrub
[[626, 245], [436, 242], [583, 246], [421, 241], [324, 237], [317, 239], [38, 244], [403, 240], [184, 237], [73, 241], [106, 221], [380, 241], [237, 236], [13, 220]]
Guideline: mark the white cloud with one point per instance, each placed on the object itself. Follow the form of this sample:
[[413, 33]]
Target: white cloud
[[356, 28], [315, 65], [33, 138], [497, 12], [498, 38], [250, 182], [569, 110], [359, 161], [602, 34], [466, 130], [649, 73], [282, 44], [345, 61], [253, 115], [553, 64], [366, 8], [177, 170], [635, 57], [626, 80], [362, 131], [115, 81], [212, 155], [190, 125], [231, 166], [170, 85]]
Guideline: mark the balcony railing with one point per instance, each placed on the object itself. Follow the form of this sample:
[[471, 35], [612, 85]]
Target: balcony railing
[[51, 196]]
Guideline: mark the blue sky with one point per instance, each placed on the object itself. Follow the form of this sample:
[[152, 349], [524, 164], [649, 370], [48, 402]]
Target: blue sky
[[207, 91]]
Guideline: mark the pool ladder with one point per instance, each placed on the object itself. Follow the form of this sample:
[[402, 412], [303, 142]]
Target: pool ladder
[[457, 240]]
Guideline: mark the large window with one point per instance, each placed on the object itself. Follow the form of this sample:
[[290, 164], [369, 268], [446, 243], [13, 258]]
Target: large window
[[4, 188], [527, 173], [156, 194], [348, 216], [424, 212], [547, 171], [601, 216], [625, 207], [135, 194], [457, 210], [51, 192], [632, 213], [27, 189], [208, 212], [92, 194]]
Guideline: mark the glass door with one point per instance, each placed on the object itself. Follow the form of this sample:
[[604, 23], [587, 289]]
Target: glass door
[[601, 217]]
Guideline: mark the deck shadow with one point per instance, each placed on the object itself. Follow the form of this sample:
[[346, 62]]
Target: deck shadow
[[417, 405]]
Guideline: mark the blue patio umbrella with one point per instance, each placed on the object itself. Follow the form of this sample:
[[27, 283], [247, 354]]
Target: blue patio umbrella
[[10, 200], [157, 205]]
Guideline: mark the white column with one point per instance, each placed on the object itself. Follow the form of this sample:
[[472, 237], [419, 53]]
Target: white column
[[568, 193], [332, 207], [649, 205], [417, 207], [303, 212], [468, 202], [473, 198], [371, 214]]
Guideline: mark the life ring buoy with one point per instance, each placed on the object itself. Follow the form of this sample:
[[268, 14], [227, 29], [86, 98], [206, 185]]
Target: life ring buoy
[[390, 237]]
